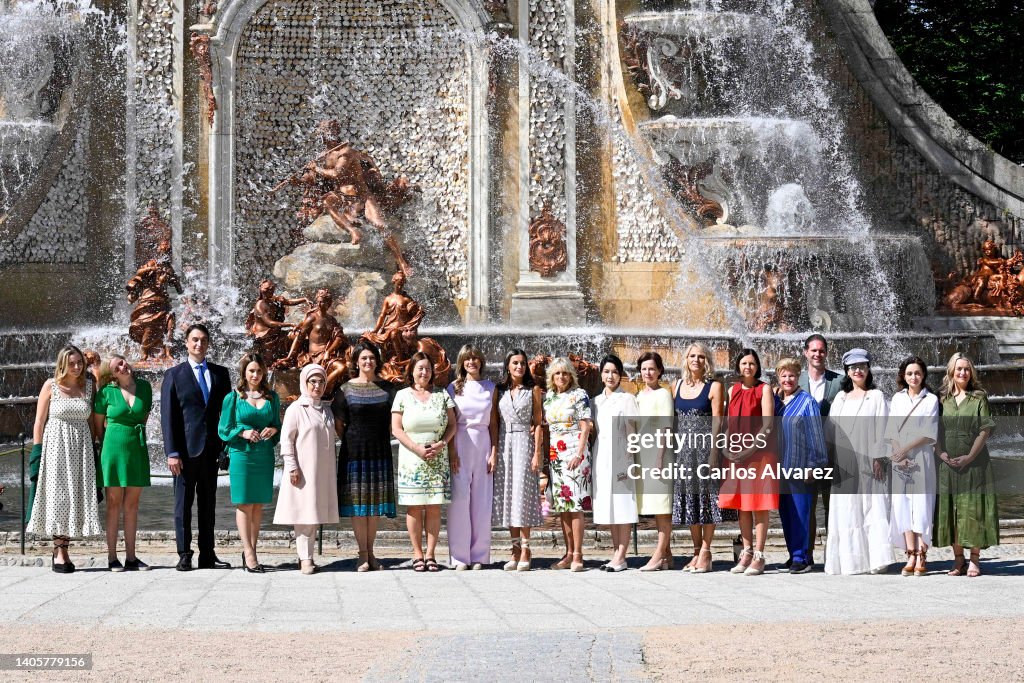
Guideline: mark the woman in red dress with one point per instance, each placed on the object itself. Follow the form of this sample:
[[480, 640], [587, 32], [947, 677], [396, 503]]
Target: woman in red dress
[[751, 409]]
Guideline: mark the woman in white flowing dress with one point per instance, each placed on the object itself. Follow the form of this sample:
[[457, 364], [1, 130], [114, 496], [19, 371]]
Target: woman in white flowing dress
[[64, 504], [615, 418], [912, 431], [859, 539]]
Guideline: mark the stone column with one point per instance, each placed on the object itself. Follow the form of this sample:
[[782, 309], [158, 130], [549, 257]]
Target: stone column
[[547, 163], [154, 145]]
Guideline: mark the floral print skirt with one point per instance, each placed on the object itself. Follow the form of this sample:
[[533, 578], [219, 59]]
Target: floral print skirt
[[571, 489]]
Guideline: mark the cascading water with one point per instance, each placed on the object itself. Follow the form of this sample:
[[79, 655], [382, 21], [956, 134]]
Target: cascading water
[[740, 88]]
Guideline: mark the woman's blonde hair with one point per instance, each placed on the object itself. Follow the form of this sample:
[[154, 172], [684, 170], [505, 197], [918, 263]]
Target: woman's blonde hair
[[974, 387], [709, 362], [789, 363], [465, 353], [106, 375], [561, 363], [63, 359]]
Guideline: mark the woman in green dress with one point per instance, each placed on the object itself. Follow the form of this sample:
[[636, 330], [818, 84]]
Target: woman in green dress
[[120, 412], [967, 500], [250, 425]]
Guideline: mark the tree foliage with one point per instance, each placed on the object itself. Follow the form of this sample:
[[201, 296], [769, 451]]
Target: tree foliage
[[968, 56]]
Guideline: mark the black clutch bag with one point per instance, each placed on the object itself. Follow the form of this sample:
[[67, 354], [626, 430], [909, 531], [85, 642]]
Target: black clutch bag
[[223, 460]]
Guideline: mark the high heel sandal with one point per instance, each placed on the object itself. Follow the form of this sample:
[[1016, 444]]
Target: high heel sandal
[[959, 564], [364, 562], [744, 562], [974, 568], [922, 563], [524, 565], [576, 566], [698, 569], [65, 567], [563, 563], [258, 569], [513, 564], [753, 569], [908, 569], [692, 563], [373, 562]]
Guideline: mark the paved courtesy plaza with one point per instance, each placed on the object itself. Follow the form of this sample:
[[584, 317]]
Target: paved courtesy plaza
[[554, 625]]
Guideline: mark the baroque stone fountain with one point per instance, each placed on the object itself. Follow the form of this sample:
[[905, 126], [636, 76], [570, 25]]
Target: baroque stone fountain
[[695, 172]]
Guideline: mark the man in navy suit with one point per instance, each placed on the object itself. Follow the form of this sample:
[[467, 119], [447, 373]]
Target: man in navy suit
[[190, 401], [823, 385]]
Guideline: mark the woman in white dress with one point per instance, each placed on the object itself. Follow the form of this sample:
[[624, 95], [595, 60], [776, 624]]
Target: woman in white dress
[[64, 505], [859, 539], [912, 430], [614, 492]]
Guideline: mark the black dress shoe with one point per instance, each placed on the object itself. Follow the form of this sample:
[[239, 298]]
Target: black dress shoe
[[215, 563], [184, 564]]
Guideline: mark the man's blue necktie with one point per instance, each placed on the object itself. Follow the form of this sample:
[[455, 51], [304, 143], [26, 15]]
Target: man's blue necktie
[[201, 372]]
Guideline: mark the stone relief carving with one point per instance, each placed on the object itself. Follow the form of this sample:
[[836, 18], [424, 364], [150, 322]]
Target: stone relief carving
[[685, 183], [548, 253], [200, 48], [654, 62]]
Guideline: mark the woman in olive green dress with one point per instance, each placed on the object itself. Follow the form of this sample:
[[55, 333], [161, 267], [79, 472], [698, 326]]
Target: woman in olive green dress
[[967, 500], [120, 412], [250, 425]]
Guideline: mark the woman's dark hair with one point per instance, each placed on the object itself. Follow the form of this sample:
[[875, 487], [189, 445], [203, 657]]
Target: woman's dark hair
[[656, 357], [846, 384], [506, 378], [614, 360], [743, 354], [416, 358], [913, 360], [363, 345], [243, 385]]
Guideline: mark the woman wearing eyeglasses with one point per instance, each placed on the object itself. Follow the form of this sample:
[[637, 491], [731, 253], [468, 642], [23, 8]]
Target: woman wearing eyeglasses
[[859, 539]]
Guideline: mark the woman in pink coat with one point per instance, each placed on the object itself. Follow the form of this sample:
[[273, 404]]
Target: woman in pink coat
[[309, 489]]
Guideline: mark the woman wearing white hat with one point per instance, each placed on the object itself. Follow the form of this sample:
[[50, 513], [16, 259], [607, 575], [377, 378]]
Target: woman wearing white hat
[[859, 539]]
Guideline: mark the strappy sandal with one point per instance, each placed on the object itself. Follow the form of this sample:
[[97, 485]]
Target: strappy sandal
[[908, 569], [922, 563], [517, 552], [698, 568], [754, 569], [432, 565], [564, 562], [974, 568], [524, 565], [746, 557], [61, 567], [692, 564], [959, 563], [418, 565]]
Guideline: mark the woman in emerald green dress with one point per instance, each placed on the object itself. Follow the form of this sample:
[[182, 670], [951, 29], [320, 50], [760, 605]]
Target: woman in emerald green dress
[[120, 412], [250, 425], [967, 501]]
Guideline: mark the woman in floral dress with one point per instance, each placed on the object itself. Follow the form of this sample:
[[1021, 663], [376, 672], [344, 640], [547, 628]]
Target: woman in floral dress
[[567, 413], [423, 421]]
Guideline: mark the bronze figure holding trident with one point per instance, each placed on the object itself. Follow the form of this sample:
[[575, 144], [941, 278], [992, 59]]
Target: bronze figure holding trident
[[346, 184]]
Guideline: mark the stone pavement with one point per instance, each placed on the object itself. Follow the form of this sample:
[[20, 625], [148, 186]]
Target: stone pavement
[[572, 626]]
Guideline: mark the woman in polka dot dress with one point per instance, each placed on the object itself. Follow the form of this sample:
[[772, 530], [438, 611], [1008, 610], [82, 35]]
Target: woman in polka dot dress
[[64, 506]]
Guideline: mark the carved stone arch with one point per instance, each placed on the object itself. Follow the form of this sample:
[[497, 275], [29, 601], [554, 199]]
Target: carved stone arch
[[227, 30]]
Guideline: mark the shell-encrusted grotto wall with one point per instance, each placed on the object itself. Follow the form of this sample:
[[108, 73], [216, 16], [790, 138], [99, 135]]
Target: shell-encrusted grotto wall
[[154, 161], [56, 233], [396, 77]]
